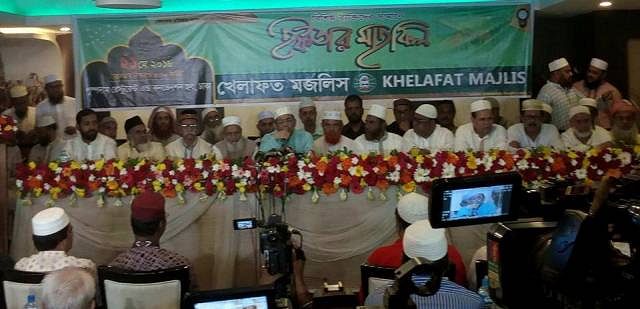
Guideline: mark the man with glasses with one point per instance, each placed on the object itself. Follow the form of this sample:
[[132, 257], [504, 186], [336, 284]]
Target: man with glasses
[[426, 135], [139, 145], [286, 138], [532, 132], [189, 145]]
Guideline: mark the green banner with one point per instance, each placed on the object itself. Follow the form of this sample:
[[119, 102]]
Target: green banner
[[274, 56]]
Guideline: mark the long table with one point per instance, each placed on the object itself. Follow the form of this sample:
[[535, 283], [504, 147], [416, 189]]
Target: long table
[[338, 235]]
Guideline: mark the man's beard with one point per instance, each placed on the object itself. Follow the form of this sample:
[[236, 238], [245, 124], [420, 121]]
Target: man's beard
[[236, 150], [56, 99], [163, 133], [144, 147], [354, 118], [89, 135], [212, 134], [593, 85], [44, 142], [332, 138], [625, 137], [582, 135]]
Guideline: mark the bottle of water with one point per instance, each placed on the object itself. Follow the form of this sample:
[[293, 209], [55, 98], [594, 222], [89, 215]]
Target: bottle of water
[[484, 293], [31, 302], [64, 157]]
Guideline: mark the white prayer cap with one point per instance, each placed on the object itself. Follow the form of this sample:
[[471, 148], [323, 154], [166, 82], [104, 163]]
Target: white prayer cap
[[285, 110], [413, 207], [18, 91], [378, 111], [45, 121], [230, 120], [265, 115], [49, 221], [494, 102], [588, 102], [51, 78], [578, 110], [108, 119], [547, 108], [427, 110], [208, 110], [421, 240], [599, 64], [332, 115], [532, 105], [306, 102], [480, 105], [558, 64]]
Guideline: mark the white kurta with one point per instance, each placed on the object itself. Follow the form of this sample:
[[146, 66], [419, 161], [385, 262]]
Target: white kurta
[[466, 138], [102, 147], [28, 123], [64, 113], [440, 139], [155, 152], [389, 142], [177, 150], [320, 146], [548, 136], [598, 137]]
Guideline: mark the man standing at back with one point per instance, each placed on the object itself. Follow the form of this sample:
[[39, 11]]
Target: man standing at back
[[403, 112], [558, 92], [354, 111], [595, 86], [61, 107]]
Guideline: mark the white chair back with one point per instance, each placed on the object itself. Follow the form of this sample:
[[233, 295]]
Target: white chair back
[[158, 295], [16, 293]]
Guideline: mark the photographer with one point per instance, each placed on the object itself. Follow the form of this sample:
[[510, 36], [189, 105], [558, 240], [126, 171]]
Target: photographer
[[421, 240]]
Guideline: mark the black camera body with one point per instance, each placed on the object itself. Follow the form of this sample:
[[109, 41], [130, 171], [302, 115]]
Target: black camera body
[[276, 247]]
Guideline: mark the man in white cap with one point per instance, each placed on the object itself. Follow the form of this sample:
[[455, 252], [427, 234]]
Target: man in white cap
[[48, 142], [376, 139], [411, 208], [427, 135], [592, 105], [624, 130], [233, 146], [162, 125], [266, 123], [23, 114], [481, 133], [595, 86], [422, 241], [308, 113], [108, 126], [582, 136], [139, 144], [531, 132], [212, 126], [53, 238], [61, 107], [286, 138], [189, 145], [333, 140], [403, 112], [353, 110], [89, 144], [558, 92]]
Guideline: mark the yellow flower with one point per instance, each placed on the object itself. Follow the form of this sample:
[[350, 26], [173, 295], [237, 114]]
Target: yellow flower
[[306, 187], [161, 167], [198, 186], [99, 164], [75, 165], [157, 185], [32, 165], [55, 191], [53, 166], [572, 155], [119, 164], [112, 185], [414, 151], [80, 192], [220, 186], [358, 171], [593, 152], [37, 192], [419, 159], [471, 162], [179, 187], [409, 186], [285, 169], [636, 149]]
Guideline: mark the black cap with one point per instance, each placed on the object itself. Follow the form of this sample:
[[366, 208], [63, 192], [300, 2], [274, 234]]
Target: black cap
[[132, 122]]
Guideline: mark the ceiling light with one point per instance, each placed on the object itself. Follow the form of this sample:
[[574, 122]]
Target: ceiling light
[[26, 30], [605, 4], [129, 4], [65, 29]]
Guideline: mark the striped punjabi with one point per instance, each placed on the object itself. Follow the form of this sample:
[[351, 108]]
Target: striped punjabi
[[561, 100]]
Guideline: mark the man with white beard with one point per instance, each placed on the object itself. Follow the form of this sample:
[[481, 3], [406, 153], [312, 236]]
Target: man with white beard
[[233, 146], [138, 144], [624, 130], [212, 126], [582, 136], [333, 140]]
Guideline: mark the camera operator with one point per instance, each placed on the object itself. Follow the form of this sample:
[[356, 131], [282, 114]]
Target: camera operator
[[423, 241], [302, 296]]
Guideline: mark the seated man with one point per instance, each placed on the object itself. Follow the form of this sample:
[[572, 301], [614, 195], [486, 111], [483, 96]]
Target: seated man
[[138, 144], [108, 126], [427, 135], [266, 124], [376, 139], [624, 130], [411, 208], [421, 240], [89, 144], [70, 287], [481, 133], [162, 125], [233, 145], [53, 238], [286, 137], [532, 132], [333, 140], [48, 142], [189, 145], [582, 136], [148, 221], [211, 126]]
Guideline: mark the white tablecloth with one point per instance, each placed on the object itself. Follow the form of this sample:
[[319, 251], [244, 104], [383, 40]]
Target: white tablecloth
[[338, 235]]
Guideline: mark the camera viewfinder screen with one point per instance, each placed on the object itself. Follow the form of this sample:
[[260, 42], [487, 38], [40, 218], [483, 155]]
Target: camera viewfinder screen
[[244, 224], [259, 302], [475, 203]]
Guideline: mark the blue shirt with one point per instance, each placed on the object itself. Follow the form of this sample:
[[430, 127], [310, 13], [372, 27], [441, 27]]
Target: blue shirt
[[450, 295], [485, 209], [300, 141]]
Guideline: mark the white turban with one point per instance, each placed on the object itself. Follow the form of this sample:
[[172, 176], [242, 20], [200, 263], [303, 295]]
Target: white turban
[[413, 207], [421, 240]]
